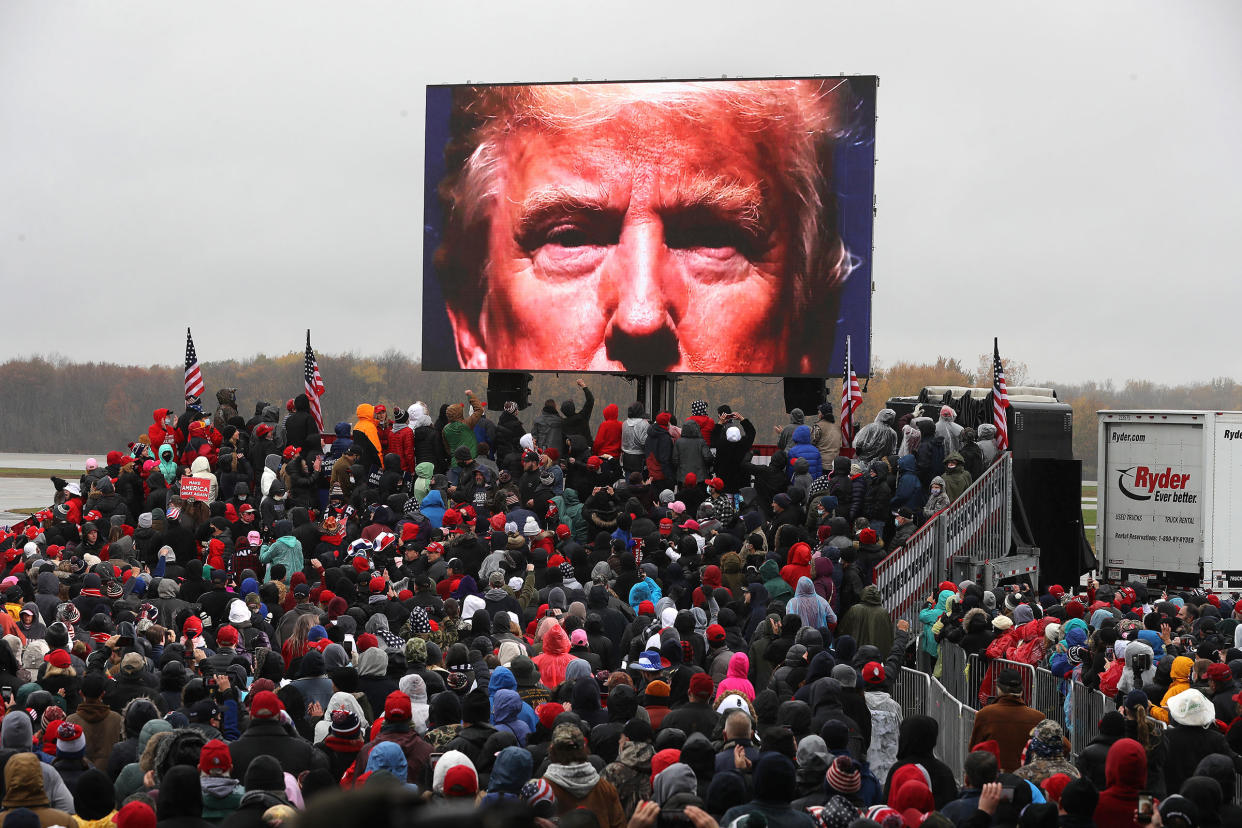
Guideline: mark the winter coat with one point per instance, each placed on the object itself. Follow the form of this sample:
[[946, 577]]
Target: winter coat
[[691, 454], [578, 421], [956, 480], [301, 430], [459, 431], [909, 492], [271, 738], [736, 678], [1125, 772], [660, 452], [729, 456], [366, 438], [936, 502], [631, 774], [867, 622], [878, 500], [608, 435], [23, 778], [401, 443], [548, 429], [1009, 722], [102, 728], [801, 448], [826, 437]]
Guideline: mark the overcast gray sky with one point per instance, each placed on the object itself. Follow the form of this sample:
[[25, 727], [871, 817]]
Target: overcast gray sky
[[1066, 176]]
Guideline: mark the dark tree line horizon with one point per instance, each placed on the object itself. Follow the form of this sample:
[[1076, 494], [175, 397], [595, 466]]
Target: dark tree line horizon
[[53, 405]]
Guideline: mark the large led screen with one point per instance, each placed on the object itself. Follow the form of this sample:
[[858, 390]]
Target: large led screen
[[705, 227]]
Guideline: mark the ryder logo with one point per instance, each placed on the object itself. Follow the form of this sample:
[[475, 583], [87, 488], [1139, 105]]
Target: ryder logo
[[1146, 483]]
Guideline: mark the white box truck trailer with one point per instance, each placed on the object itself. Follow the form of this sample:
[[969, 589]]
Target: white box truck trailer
[[1170, 498]]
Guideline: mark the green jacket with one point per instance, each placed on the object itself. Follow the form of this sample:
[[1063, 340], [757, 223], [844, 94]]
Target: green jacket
[[459, 434], [929, 617], [777, 589], [569, 510], [217, 803], [423, 473], [287, 551]]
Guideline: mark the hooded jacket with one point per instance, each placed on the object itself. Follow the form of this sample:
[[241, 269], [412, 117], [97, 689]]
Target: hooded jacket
[[631, 774], [867, 622], [555, 656], [17, 734], [366, 437], [1179, 674], [285, 550], [956, 480], [801, 448], [459, 430], [737, 678], [691, 454], [608, 435], [201, 468], [23, 788], [1125, 772]]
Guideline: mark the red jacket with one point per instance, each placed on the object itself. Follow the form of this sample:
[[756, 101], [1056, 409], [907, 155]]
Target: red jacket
[[401, 443], [1125, 774], [158, 434], [706, 424], [608, 435]]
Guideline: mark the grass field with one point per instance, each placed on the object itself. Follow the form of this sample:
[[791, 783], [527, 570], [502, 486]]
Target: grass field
[[1088, 513], [44, 473]]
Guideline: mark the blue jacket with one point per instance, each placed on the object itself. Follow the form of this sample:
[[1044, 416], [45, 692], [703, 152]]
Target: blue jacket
[[1075, 636], [802, 449], [645, 590], [909, 491], [502, 679], [432, 507]]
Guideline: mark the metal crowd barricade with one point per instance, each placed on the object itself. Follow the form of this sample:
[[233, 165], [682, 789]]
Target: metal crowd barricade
[[952, 666], [1047, 698], [910, 574], [1087, 707], [911, 691], [951, 741], [979, 524], [976, 669], [1026, 671]]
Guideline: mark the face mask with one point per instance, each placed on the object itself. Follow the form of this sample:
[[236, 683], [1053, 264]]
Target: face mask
[[935, 490]]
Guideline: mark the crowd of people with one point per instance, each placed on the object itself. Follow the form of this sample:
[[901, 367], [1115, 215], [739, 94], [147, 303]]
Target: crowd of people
[[633, 622]]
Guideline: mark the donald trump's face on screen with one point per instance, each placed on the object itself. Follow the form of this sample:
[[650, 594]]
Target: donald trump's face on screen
[[643, 228]]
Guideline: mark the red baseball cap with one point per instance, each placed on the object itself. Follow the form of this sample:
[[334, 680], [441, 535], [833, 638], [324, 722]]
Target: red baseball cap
[[58, 659], [873, 672]]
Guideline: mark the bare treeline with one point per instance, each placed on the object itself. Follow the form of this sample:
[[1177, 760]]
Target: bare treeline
[[53, 405]]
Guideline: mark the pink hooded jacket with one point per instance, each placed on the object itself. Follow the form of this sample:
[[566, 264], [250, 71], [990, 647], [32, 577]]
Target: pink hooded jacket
[[735, 679]]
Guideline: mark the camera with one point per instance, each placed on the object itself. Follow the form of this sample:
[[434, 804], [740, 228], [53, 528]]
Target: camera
[[1141, 662]]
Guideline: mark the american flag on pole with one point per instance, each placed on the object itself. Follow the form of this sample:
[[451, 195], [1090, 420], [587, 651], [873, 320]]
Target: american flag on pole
[[314, 383], [193, 377], [1000, 398], [851, 399]]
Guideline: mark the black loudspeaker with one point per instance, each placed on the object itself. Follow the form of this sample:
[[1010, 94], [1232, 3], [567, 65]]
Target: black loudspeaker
[[505, 386], [807, 393], [1051, 494]]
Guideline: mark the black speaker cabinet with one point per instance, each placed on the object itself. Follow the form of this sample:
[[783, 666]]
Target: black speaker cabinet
[[807, 393]]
